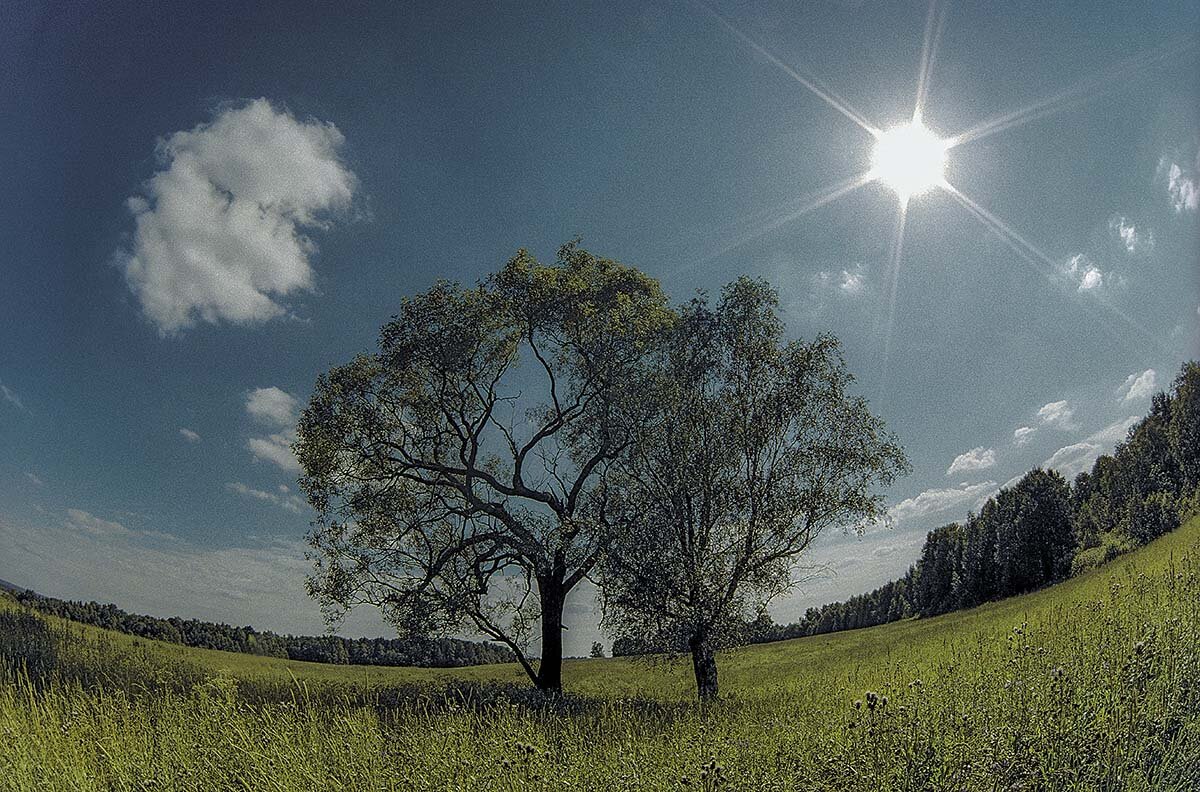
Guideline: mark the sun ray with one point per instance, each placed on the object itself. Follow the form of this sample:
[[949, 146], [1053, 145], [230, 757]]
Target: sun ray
[[1037, 258], [894, 286], [807, 203], [1083, 92], [934, 21], [826, 95]]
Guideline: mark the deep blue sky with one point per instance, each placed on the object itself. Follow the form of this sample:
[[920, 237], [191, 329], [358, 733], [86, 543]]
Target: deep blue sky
[[649, 130]]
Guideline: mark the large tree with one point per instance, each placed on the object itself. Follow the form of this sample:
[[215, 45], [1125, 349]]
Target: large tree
[[458, 472], [747, 447]]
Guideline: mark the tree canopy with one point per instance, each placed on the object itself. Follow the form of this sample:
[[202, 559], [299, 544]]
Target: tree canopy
[[747, 448], [457, 473]]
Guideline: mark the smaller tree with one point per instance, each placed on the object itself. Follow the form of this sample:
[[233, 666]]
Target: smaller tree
[[597, 649], [746, 448]]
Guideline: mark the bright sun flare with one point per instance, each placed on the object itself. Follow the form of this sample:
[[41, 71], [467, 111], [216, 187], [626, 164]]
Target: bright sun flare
[[910, 159]]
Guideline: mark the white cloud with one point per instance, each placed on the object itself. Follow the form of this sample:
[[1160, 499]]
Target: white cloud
[[937, 501], [1073, 459], [11, 396], [1138, 386], [276, 448], [273, 406], [218, 231], [1023, 434], [80, 520], [255, 582], [189, 435], [1131, 237], [1181, 185], [283, 499], [280, 410], [976, 459], [34, 479], [1058, 414], [852, 282], [1081, 272]]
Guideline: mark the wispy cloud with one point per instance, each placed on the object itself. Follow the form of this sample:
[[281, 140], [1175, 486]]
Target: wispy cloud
[[279, 410], [218, 231], [284, 498], [1023, 434], [1059, 415], [254, 582], [939, 501], [1133, 238], [189, 435], [35, 480], [11, 396], [1071, 460], [976, 459], [1138, 386], [847, 282], [1181, 184], [81, 520]]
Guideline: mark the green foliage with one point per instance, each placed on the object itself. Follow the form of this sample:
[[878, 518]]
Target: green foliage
[[453, 471], [745, 448], [1091, 684]]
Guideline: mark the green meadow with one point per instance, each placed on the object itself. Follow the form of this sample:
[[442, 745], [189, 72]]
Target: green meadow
[[1091, 684]]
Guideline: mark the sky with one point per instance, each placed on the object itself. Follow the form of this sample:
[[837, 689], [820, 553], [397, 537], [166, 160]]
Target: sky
[[206, 207]]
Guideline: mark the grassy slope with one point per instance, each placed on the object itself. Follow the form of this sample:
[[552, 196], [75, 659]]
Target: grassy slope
[[1099, 690], [849, 658]]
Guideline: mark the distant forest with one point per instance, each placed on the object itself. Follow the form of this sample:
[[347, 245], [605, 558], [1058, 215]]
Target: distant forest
[[429, 652], [1039, 531]]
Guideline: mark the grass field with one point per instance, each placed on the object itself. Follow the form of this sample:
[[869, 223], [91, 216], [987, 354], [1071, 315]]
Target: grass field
[[1091, 684]]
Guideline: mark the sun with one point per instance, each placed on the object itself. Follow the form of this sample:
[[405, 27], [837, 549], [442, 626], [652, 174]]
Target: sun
[[910, 159]]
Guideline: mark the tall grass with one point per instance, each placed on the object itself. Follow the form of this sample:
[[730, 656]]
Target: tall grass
[[1091, 685]]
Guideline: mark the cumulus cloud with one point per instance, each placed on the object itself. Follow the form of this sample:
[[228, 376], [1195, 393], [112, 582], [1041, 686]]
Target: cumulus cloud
[[219, 230], [1083, 273], [272, 406], [284, 498], [1132, 238], [189, 435], [938, 501], [1138, 386], [1023, 434], [1181, 185], [11, 396], [976, 459], [80, 520], [279, 410], [1073, 459], [1059, 415]]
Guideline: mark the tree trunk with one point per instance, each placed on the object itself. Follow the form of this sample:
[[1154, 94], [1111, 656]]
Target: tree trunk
[[550, 668], [704, 664]]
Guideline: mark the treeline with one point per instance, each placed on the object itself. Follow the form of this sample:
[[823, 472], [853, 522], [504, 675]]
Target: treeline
[[1038, 531], [429, 652]]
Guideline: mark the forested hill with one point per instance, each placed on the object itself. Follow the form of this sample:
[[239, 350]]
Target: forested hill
[[430, 652], [1042, 529], [6, 586]]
